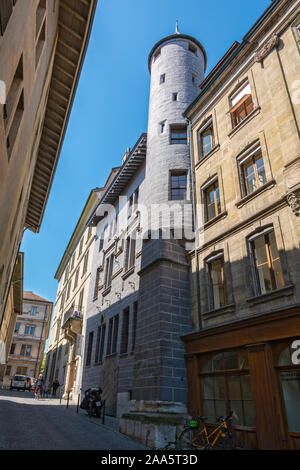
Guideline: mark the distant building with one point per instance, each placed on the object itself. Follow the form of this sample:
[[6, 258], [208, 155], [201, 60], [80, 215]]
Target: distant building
[[29, 337], [245, 278], [14, 307], [42, 48]]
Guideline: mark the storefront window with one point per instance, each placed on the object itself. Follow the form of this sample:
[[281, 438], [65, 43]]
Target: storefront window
[[226, 387], [290, 383]]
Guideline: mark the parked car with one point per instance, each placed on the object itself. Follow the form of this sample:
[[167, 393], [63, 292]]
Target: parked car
[[18, 382], [30, 381]]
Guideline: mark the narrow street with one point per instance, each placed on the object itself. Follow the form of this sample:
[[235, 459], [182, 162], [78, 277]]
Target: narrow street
[[29, 424]]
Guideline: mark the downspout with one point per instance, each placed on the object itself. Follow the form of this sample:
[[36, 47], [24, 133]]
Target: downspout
[[195, 223], [37, 361]]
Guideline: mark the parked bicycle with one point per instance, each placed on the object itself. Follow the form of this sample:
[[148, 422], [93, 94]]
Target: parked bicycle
[[196, 435]]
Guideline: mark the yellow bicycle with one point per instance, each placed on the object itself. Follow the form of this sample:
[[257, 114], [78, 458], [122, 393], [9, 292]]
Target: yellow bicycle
[[197, 437]]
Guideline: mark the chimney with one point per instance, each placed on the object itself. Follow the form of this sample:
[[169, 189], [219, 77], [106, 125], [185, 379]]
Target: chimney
[[125, 155]]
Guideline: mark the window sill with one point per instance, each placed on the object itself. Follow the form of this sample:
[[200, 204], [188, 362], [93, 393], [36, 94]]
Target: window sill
[[207, 156], [253, 113], [116, 273], [249, 197], [230, 308], [215, 219], [275, 294], [123, 355], [111, 355], [128, 273], [106, 291]]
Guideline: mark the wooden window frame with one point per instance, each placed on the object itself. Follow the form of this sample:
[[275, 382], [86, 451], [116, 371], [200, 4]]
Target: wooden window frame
[[177, 188], [269, 262], [241, 105], [210, 291], [178, 129], [201, 134], [214, 185]]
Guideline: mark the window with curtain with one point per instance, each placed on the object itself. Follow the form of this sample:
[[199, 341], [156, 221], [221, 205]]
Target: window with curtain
[[266, 264], [241, 104], [251, 170], [216, 283]]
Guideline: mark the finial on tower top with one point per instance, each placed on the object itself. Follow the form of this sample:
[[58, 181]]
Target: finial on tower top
[[176, 28]]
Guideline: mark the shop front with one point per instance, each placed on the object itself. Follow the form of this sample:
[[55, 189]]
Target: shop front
[[250, 367]]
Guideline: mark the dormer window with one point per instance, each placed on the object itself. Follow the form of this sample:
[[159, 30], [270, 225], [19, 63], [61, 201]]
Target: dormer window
[[241, 104]]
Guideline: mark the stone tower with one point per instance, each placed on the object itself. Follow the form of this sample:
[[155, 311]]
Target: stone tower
[[176, 65]]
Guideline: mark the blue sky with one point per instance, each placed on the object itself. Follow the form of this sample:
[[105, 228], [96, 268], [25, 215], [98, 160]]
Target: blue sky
[[110, 110]]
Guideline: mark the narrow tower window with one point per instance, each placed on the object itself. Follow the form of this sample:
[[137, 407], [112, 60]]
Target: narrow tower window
[[162, 78], [162, 126], [178, 134], [178, 185], [174, 96]]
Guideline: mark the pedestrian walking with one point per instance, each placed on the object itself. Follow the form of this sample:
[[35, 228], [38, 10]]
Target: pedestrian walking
[[55, 386], [39, 386]]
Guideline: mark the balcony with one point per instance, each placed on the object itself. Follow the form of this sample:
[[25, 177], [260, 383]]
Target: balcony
[[72, 322]]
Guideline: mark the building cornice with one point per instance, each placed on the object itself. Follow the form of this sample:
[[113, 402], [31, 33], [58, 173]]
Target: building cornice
[[248, 46], [175, 37], [74, 28]]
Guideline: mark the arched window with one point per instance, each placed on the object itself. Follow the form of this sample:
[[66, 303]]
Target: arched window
[[226, 386]]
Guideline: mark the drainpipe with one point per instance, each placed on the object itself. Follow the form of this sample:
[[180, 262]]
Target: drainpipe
[[40, 341], [195, 224]]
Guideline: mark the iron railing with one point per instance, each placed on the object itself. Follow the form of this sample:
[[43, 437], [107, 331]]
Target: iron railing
[[75, 311]]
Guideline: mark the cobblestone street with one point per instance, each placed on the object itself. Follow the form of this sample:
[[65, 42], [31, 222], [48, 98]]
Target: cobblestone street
[[29, 424]]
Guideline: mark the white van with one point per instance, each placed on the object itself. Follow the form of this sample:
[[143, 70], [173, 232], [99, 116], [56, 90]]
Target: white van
[[18, 382]]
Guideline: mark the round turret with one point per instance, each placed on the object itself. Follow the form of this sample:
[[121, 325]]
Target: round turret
[[177, 65]]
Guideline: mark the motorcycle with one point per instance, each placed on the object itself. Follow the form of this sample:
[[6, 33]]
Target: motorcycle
[[92, 401]]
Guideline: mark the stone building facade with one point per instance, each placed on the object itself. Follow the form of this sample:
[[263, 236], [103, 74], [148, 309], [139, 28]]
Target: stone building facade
[[64, 353], [42, 48], [138, 305], [242, 355], [14, 307], [29, 337]]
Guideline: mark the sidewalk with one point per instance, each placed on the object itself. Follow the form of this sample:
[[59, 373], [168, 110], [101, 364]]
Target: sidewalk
[[109, 421], [45, 424]]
